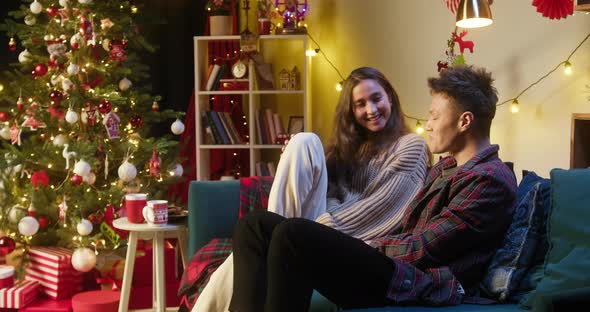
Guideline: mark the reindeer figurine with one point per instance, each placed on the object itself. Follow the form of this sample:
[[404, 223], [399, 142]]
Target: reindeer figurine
[[463, 44], [65, 154]]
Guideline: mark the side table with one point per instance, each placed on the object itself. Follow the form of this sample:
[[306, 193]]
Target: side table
[[157, 234]]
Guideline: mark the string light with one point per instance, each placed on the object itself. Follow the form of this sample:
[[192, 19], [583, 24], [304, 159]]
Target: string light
[[419, 127], [312, 52], [514, 107], [567, 68], [339, 86]]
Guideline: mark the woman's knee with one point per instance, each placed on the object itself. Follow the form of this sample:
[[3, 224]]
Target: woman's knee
[[305, 139]]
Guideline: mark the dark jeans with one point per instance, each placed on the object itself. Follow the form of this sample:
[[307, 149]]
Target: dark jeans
[[278, 262]]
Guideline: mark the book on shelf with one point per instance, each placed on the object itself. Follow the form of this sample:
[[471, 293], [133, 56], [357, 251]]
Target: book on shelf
[[258, 132], [212, 76], [225, 123], [279, 129], [264, 169], [222, 73], [216, 135], [272, 169], [269, 121], [208, 138], [263, 137], [224, 136], [234, 85], [234, 129]]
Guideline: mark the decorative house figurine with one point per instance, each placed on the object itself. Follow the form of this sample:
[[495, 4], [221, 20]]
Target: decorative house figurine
[[284, 79], [111, 122], [295, 79]]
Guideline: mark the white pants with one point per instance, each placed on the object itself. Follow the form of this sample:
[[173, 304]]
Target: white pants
[[298, 191]]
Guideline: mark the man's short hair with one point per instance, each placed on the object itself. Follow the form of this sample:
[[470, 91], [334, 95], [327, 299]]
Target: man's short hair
[[470, 89]]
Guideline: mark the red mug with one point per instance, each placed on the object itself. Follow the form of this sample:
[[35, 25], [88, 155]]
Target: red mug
[[156, 212], [134, 204], [263, 26]]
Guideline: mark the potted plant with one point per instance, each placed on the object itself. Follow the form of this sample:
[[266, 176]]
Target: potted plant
[[220, 16], [264, 13]]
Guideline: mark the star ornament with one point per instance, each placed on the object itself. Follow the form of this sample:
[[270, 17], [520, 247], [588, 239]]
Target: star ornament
[[33, 123], [106, 23], [15, 134]]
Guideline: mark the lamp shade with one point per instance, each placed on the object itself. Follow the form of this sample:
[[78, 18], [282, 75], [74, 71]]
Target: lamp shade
[[473, 14]]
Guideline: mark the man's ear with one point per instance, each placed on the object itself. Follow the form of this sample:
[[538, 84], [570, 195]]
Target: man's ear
[[466, 121]]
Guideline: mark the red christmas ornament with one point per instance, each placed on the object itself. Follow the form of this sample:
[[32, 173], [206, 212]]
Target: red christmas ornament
[[86, 28], [6, 245], [52, 11], [104, 106], [40, 70], [43, 221], [12, 45], [463, 44], [136, 121], [39, 177], [76, 179], [52, 62], [117, 51], [55, 96], [96, 217], [4, 116]]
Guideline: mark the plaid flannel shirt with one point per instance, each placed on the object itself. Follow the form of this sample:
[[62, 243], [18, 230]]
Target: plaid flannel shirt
[[451, 231]]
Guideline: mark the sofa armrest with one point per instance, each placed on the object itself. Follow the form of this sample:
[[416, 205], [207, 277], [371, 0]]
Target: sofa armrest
[[212, 211]]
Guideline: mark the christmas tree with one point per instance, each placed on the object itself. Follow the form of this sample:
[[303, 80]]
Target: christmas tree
[[76, 115]]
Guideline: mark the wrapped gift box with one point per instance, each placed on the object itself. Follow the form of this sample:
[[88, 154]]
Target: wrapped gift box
[[142, 297], [45, 304], [52, 268], [96, 301], [143, 270], [6, 276], [19, 295]]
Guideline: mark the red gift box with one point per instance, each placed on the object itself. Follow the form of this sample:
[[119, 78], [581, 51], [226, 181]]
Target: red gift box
[[6, 276], [52, 268], [143, 270], [142, 297], [45, 304], [96, 301], [19, 295]]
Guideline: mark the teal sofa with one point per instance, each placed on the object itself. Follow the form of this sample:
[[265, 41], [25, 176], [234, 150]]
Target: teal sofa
[[213, 212]]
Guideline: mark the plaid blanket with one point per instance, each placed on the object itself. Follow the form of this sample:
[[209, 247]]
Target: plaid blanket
[[254, 193]]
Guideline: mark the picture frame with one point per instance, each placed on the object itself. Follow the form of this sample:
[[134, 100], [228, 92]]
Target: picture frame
[[296, 124]]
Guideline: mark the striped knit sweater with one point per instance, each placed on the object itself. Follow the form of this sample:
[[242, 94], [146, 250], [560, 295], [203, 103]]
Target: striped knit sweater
[[373, 203]]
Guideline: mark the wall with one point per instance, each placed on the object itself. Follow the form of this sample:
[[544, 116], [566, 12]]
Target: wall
[[405, 39]]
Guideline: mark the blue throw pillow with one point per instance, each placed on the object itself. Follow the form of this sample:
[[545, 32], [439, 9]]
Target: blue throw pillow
[[518, 253]]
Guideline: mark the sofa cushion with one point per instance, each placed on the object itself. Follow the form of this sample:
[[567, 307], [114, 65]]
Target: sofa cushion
[[568, 258], [525, 234]]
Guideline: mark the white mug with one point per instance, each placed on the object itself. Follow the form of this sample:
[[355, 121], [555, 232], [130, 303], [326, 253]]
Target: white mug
[[156, 212]]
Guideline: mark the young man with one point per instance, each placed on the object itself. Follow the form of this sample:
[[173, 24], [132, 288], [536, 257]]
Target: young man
[[451, 228]]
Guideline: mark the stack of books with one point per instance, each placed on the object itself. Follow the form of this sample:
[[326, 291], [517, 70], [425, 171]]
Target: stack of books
[[220, 128], [268, 126]]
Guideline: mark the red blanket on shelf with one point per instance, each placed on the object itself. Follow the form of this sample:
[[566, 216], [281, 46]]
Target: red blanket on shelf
[[254, 193]]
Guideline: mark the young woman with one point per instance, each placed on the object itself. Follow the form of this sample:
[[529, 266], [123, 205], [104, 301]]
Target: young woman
[[371, 171]]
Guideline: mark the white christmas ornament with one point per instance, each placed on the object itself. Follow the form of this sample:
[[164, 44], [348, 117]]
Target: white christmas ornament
[[177, 171], [125, 84], [28, 226], [5, 133], [60, 140], [89, 178], [71, 116], [36, 7], [83, 259], [177, 127], [66, 84], [84, 227], [127, 171], [105, 44], [16, 213], [67, 155], [30, 20], [73, 69], [64, 3], [82, 168], [76, 39], [24, 56]]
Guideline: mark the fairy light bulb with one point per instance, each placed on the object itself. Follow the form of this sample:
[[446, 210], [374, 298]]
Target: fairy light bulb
[[339, 86], [312, 52], [419, 127], [514, 107], [567, 68]]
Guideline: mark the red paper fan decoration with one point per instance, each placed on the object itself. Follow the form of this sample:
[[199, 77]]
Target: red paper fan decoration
[[554, 9], [452, 5]]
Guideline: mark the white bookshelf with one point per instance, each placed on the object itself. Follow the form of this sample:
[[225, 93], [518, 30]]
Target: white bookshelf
[[282, 50]]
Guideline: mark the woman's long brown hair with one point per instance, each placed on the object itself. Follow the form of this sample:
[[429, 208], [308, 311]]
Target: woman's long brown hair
[[351, 143]]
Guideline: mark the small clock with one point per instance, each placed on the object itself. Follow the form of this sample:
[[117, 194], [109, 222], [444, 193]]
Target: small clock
[[239, 69]]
